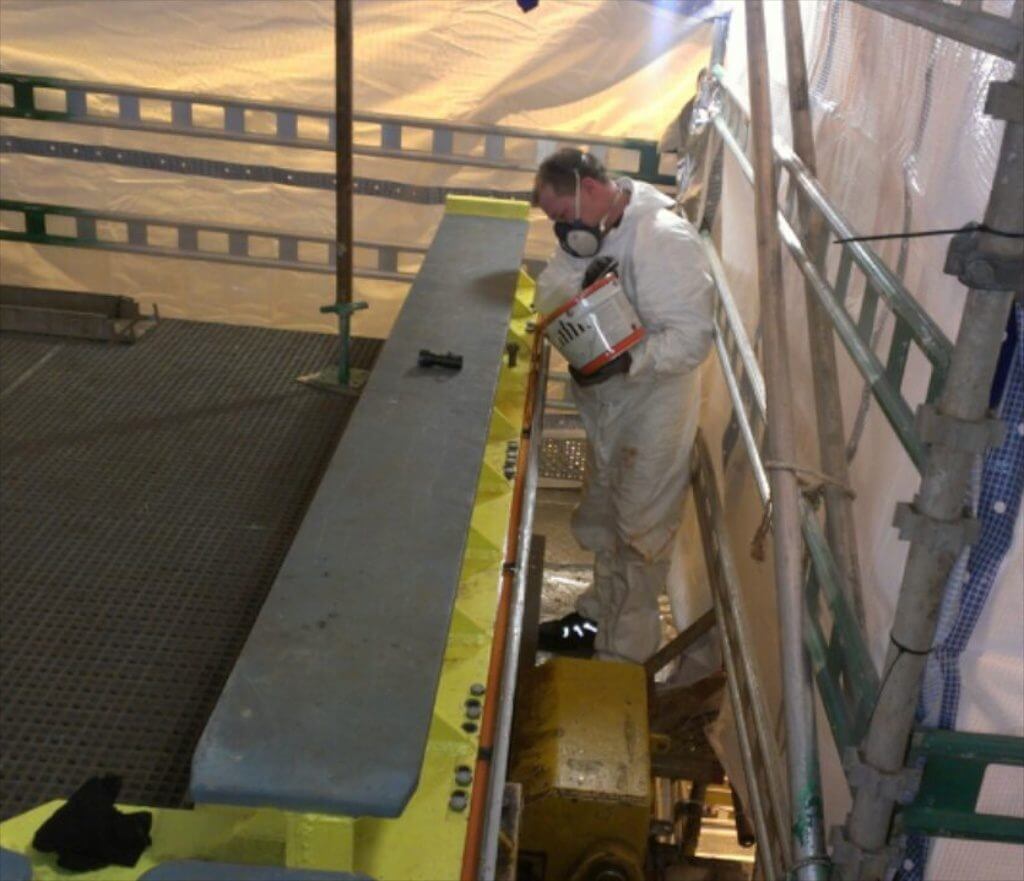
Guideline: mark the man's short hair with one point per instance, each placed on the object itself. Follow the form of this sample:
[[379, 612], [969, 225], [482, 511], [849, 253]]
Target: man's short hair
[[559, 172]]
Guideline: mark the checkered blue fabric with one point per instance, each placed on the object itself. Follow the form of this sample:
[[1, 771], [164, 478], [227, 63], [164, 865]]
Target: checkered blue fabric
[[997, 506]]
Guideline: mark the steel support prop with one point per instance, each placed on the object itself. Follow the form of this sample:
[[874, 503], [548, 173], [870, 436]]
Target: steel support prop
[[831, 433], [811, 861], [343, 149], [935, 522]]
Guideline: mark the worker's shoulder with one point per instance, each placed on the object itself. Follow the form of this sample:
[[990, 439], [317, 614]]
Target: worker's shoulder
[[665, 225]]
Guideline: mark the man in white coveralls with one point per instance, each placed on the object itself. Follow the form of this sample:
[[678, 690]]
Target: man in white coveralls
[[640, 410]]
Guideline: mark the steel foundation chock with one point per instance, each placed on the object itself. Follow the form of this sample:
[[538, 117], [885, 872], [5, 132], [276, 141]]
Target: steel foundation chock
[[938, 535]]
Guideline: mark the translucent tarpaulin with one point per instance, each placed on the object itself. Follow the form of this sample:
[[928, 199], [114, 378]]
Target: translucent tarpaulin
[[902, 143], [619, 69]]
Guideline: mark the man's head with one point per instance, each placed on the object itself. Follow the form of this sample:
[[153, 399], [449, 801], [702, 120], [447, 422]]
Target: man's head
[[574, 186]]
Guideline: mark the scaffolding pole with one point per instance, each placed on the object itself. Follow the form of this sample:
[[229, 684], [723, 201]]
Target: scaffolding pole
[[343, 148], [839, 526], [810, 858], [935, 523]]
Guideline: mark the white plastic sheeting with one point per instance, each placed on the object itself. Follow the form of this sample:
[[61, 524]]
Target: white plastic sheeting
[[900, 121], [619, 69], [902, 142]]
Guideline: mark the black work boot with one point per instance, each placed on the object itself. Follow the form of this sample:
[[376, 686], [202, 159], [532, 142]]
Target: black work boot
[[572, 635]]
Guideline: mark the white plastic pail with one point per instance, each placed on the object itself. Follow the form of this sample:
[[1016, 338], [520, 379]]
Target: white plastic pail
[[595, 326]]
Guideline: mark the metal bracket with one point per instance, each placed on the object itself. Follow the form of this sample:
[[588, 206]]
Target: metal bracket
[[938, 535], [1005, 100], [900, 786], [958, 434], [854, 862], [973, 260]]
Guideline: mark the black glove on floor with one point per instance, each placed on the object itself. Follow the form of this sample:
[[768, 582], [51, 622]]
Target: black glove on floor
[[88, 832]]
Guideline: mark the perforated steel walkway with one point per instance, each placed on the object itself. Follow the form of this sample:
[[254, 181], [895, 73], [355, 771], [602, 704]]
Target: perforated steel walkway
[[148, 494]]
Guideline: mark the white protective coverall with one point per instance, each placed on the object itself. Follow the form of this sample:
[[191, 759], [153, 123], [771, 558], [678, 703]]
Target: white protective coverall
[[640, 427]]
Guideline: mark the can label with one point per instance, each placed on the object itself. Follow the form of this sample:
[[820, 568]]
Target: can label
[[595, 326]]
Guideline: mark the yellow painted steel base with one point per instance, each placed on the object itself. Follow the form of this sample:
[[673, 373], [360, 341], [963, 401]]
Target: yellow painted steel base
[[582, 754], [427, 840]]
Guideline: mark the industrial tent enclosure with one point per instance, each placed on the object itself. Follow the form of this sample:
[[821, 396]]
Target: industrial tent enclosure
[[903, 141]]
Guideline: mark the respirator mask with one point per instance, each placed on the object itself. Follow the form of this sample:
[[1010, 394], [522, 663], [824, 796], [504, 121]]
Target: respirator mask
[[577, 238]]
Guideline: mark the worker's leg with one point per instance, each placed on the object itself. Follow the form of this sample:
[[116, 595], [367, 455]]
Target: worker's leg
[[598, 600], [630, 626], [639, 438], [648, 480], [593, 525], [594, 528]]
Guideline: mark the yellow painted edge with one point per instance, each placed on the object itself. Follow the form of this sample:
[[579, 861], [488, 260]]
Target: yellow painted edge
[[480, 206]]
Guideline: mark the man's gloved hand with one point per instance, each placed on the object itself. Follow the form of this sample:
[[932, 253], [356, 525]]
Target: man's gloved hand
[[598, 266], [618, 365]]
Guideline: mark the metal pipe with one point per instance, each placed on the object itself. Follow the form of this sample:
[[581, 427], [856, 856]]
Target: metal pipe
[[811, 859], [746, 432], [664, 812], [343, 150], [323, 113], [759, 799], [982, 30], [895, 408], [861, 675], [762, 725], [928, 335], [893, 405], [839, 526], [735, 323], [939, 503], [680, 795], [510, 672], [566, 406], [692, 815], [472, 855]]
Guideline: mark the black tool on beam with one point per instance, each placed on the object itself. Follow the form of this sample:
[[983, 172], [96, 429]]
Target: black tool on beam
[[449, 360]]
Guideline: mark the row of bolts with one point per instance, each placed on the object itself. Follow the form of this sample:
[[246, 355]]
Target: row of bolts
[[463, 773]]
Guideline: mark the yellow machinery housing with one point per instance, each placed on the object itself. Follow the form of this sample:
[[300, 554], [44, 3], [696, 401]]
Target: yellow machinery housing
[[581, 751]]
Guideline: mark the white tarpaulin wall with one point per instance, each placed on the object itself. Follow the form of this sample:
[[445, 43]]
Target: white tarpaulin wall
[[618, 69], [897, 112]]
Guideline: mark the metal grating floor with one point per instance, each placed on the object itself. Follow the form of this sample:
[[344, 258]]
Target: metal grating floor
[[148, 494], [563, 460]]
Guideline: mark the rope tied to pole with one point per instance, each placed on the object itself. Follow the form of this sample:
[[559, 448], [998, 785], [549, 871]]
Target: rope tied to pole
[[812, 491]]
